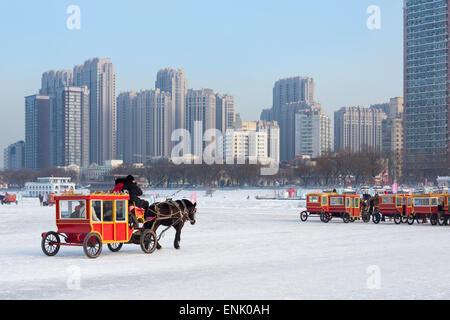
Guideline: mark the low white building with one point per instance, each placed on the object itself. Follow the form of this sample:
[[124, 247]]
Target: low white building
[[443, 181], [94, 171], [56, 185]]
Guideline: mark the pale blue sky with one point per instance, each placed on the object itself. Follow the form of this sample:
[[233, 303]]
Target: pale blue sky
[[236, 47]]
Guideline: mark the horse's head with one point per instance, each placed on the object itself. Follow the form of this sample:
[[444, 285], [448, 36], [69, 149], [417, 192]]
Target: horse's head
[[192, 210]]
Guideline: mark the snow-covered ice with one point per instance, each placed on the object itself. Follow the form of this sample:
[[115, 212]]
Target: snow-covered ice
[[239, 249]]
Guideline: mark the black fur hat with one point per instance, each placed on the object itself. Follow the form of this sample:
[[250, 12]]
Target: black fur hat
[[129, 178]]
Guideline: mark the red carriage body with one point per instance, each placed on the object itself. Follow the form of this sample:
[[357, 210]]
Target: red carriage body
[[316, 205], [429, 207], [91, 220], [397, 206], [345, 206], [329, 205]]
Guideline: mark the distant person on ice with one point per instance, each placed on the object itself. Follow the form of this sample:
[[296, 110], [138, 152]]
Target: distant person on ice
[[131, 186]]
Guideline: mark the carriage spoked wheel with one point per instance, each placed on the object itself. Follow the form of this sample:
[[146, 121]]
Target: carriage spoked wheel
[[352, 219], [411, 219], [376, 218], [346, 217], [442, 220], [404, 219], [366, 217], [149, 241], [434, 219], [114, 247], [304, 216], [92, 245], [398, 218], [49, 245]]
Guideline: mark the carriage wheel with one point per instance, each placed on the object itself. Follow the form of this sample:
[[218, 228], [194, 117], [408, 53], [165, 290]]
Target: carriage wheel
[[366, 217], [48, 243], [304, 216], [324, 217], [346, 217], [411, 219], [376, 218], [352, 219], [434, 219], [404, 219], [397, 218], [92, 245], [149, 241], [114, 247]]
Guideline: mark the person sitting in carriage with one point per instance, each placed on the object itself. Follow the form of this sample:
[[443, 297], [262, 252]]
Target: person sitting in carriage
[[119, 183]]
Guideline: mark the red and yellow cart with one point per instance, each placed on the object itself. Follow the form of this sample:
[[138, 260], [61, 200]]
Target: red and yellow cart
[[316, 205], [89, 221], [397, 206], [428, 207], [345, 206]]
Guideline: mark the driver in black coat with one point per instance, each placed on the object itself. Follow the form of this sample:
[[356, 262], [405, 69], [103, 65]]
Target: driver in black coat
[[134, 191]]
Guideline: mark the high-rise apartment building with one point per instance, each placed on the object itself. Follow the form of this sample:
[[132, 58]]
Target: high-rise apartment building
[[225, 112], [54, 79], [313, 135], [357, 129], [143, 125], [125, 127], [174, 81], [37, 132], [98, 75], [200, 106], [69, 127], [294, 89], [14, 156], [426, 83]]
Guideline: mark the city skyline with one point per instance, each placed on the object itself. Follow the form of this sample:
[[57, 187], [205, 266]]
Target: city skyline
[[316, 42]]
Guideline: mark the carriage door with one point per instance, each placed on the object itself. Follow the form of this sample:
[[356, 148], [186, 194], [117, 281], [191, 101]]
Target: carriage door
[[121, 225], [108, 222], [356, 209], [96, 216], [348, 206]]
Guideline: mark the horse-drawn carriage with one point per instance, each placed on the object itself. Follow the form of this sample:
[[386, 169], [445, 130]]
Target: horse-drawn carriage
[[89, 221], [429, 207], [396, 206], [9, 198], [327, 206]]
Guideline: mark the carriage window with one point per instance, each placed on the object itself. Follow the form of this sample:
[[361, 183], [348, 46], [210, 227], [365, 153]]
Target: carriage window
[[387, 200], [347, 202], [434, 201], [337, 201], [409, 202], [313, 199], [120, 210], [96, 210], [324, 201], [356, 202], [108, 210], [72, 209], [399, 202], [421, 202]]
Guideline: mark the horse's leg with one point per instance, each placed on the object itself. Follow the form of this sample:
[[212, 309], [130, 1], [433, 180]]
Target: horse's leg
[[178, 227], [155, 226]]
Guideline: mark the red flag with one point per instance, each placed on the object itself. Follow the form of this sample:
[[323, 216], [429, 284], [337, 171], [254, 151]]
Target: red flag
[[193, 198]]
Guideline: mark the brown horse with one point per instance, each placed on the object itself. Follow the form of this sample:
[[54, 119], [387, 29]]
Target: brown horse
[[171, 214]]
